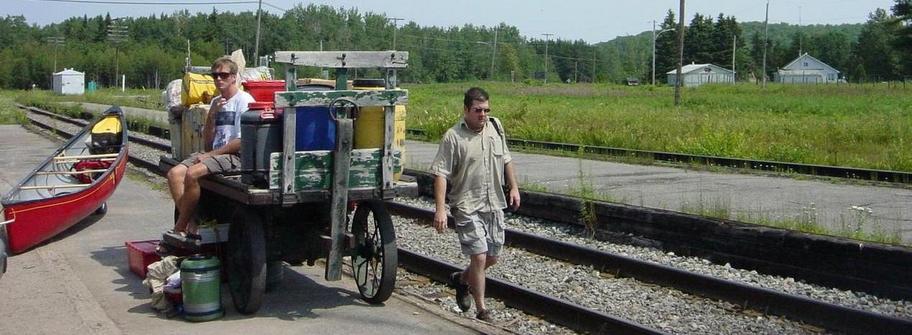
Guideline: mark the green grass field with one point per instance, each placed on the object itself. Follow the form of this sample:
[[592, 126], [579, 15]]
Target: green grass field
[[858, 126], [846, 125]]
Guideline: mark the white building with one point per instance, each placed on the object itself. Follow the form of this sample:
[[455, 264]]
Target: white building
[[699, 74], [807, 70], [70, 82]]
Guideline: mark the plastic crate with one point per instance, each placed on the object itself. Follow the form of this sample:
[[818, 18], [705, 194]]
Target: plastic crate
[[140, 254]]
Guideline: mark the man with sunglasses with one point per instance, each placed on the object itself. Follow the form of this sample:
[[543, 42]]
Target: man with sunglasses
[[222, 135], [474, 158]]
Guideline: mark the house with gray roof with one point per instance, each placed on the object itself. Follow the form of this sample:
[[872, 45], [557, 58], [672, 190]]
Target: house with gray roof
[[699, 74], [807, 70]]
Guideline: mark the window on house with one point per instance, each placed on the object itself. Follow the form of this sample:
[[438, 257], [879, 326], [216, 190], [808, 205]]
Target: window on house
[[805, 64]]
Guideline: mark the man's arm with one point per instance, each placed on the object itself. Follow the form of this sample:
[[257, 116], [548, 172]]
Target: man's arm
[[440, 216], [513, 197]]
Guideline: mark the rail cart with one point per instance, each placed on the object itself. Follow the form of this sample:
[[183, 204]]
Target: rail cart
[[310, 204]]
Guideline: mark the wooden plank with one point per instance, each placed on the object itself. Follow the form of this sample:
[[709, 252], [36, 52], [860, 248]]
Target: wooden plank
[[344, 59], [388, 131], [325, 98], [288, 150], [339, 206]]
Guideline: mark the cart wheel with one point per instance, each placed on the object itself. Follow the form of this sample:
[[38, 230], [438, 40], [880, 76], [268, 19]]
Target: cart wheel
[[101, 210], [246, 260], [374, 260]]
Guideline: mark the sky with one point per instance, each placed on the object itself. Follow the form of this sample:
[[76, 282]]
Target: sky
[[589, 20]]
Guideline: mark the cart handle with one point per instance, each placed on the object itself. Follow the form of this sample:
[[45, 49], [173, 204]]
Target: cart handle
[[341, 102]]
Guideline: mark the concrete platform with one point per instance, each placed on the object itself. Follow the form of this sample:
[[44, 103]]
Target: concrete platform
[[885, 210], [79, 282]]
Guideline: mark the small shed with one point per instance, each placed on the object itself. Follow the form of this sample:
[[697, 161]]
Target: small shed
[[699, 74], [69, 82], [807, 70]]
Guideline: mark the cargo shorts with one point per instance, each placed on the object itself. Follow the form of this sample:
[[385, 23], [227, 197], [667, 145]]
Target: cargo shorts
[[216, 164], [480, 232]]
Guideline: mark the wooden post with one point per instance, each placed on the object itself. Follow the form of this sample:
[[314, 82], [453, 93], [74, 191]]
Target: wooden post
[[288, 150], [339, 209]]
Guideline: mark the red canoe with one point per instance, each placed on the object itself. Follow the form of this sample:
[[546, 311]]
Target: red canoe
[[68, 186]]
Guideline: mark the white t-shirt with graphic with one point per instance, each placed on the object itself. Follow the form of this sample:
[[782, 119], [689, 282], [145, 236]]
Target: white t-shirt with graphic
[[228, 119]]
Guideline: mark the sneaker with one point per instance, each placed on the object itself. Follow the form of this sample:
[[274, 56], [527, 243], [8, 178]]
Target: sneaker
[[484, 315], [463, 299]]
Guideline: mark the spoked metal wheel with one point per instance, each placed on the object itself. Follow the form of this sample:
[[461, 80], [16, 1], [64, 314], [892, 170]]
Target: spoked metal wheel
[[246, 260], [374, 260]]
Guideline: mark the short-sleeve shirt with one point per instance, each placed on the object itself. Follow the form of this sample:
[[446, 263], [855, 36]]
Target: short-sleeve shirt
[[228, 119], [474, 165]]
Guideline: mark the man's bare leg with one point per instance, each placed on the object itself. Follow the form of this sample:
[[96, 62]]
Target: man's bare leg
[[190, 198], [474, 275], [176, 182]]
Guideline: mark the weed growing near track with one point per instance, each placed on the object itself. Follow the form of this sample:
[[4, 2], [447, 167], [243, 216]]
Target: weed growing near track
[[845, 125]]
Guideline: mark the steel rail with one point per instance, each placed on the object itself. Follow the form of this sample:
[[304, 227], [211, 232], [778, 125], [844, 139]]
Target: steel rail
[[83, 123], [889, 176], [791, 306]]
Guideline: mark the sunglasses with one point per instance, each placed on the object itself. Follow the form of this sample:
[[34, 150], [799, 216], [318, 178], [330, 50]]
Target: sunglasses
[[482, 110], [221, 75]]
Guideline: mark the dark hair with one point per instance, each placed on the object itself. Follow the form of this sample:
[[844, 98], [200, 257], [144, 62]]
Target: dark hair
[[474, 94]]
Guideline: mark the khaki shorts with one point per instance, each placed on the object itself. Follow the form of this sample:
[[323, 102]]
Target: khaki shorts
[[216, 164], [480, 232]]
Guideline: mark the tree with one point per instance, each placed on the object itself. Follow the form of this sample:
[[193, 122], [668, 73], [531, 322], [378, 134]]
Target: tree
[[699, 36], [902, 10], [666, 47], [874, 48]]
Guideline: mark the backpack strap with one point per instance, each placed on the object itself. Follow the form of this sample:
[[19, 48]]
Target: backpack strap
[[498, 127]]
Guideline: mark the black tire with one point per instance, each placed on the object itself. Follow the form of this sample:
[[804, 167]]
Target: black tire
[[275, 274], [102, 210], [246, 260], [375, 258]]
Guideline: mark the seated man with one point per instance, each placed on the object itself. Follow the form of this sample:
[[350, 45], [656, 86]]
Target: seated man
[[223, 132]]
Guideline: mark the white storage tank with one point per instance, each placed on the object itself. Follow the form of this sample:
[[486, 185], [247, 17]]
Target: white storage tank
[[69, 82]]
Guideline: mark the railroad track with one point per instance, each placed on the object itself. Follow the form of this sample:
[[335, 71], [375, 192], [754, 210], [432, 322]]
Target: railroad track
[[581, 318], [900, 177], [794, 307]]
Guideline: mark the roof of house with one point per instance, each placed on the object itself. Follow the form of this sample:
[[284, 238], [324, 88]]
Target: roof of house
[[68, 71], [806, 55], [695, 67]]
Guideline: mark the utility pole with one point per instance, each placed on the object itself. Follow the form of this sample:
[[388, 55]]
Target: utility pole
[[594, 52], [734, 49], [493, 53], [56, 41], [547, 37], [395, 28], [765, 40], [256, 47], [680, 55], [800, 36], [117, 34], [575, 70]]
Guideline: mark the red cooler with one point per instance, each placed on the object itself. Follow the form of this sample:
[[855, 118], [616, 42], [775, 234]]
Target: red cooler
[[264, 90]]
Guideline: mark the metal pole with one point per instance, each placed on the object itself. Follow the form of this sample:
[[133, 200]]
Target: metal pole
[[547, 37], [653, 52], [395, 28], [594, 52], [493, 53], [734, 49], [680, 56], [765, 40], [256, 48]]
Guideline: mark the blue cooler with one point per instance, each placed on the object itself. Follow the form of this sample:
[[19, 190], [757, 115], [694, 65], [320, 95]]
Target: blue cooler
[[315, 129]]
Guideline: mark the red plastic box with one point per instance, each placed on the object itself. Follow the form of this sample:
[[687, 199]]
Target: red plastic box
[[140, 254]]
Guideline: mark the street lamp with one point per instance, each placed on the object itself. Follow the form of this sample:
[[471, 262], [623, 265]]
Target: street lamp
[[654, 37]]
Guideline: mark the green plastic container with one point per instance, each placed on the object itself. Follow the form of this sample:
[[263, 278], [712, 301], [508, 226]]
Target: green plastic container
[[200, 287]]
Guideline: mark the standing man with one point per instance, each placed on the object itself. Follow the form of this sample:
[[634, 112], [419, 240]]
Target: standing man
[[473, 156], [222, 135]]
